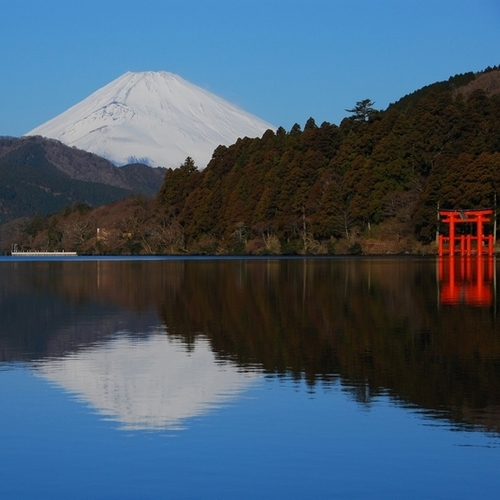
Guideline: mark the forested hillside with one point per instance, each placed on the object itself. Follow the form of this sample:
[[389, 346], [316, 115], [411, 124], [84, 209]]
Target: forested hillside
[[371, 184], [42, 176]]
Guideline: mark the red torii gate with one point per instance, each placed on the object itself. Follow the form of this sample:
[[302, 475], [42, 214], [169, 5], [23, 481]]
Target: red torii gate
[[465, 244]]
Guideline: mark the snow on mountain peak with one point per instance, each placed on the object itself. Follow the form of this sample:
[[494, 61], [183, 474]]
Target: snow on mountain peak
[[157, 118]]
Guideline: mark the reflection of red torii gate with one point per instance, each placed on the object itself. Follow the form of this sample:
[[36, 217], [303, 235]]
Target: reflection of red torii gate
[[467, 280], [465, 244]]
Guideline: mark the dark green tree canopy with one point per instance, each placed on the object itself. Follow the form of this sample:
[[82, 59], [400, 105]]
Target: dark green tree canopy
[[363, 111], [189, 165]]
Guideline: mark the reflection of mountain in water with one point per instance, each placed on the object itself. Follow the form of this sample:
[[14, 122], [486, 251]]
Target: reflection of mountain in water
[[374, 324], [150, 383]]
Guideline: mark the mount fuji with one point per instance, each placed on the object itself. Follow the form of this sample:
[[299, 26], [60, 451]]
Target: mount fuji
[[155, 118]]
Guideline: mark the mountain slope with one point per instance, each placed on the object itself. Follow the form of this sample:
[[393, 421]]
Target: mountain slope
[[83, 166], [156, 118], [30, 185], [41, 176]]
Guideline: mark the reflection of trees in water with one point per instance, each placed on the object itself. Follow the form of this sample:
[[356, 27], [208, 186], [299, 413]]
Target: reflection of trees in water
[[374, 323], [48, 309]]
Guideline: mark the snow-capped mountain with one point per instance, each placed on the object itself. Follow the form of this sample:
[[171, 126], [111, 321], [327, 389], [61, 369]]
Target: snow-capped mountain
[[156, 118]]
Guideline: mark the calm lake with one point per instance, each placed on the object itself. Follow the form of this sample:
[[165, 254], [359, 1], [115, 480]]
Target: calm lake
[[348, 378]]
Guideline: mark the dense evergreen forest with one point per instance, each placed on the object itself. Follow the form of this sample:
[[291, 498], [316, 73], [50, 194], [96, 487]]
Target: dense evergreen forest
[[371, 184]]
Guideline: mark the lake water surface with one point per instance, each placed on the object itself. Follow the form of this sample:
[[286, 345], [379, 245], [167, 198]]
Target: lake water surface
[[346, 378]]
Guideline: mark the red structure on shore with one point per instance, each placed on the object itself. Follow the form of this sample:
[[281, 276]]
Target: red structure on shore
[[462, 240]]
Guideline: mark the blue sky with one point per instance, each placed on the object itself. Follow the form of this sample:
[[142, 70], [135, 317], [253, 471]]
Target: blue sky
[[282, 60]]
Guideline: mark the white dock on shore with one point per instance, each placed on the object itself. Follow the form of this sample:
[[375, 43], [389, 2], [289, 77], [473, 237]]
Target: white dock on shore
[[43, 254]]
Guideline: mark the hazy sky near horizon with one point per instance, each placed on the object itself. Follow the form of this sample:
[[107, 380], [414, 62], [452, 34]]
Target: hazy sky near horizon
[[282, 60]]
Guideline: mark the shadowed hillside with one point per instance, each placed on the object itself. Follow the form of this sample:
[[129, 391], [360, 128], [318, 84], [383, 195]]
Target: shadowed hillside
[[41, 176]]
